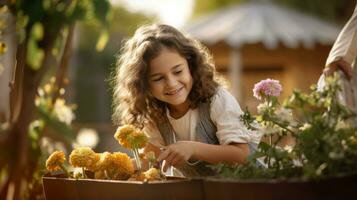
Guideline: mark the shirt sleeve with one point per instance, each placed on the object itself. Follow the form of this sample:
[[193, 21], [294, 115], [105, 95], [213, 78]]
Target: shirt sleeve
[[345, 45], [225, 113], [154, 135]]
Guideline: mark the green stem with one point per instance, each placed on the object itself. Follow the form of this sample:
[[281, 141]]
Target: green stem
[[269, 165], [137, 159], [281, 126], [65, 170], [84, 173]]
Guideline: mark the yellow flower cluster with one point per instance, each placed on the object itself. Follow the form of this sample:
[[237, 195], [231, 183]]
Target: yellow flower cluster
[[130, 137], [151, 174], [116, 166], [55, 161], [105, 165], [84, 157]]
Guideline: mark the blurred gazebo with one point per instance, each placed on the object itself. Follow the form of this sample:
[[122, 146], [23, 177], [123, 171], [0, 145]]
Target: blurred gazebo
[[259, 40]]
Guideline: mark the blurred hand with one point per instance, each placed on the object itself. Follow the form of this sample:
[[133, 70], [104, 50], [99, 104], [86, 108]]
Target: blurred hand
[[176, 154], [338, 65]]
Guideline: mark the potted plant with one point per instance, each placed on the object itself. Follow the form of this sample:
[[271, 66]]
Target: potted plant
[[113, 175], [322, 162]]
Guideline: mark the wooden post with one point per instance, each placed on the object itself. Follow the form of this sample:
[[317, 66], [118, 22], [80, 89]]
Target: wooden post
[[235, 73]]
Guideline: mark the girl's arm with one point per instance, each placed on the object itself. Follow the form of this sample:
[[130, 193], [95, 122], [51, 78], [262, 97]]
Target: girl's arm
[[182, 151]]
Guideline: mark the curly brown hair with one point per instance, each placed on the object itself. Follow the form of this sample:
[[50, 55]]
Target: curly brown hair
[[132, 102]]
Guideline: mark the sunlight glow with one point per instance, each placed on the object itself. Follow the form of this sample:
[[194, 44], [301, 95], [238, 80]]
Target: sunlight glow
[[172, 12]]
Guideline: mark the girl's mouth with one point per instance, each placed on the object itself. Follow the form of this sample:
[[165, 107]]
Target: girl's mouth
[[173, 92]]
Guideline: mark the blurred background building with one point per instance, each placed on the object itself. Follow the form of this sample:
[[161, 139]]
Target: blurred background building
[[258, 40]]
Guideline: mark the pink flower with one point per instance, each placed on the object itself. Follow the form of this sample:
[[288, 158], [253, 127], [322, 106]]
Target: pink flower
[[267, 87]]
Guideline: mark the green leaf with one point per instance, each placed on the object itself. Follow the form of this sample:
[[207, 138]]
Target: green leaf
[[34, 55], [21, 22], [37, 31], [264, 146], [102, 41], [102, 10], [35, 129], [34, 10]]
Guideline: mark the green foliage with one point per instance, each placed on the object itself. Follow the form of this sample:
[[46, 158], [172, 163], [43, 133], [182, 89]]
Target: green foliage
[[203, 7], [330, 10], [324, 132], [35, 54], [42, 28], [51, 17], [93, 67], [57, 114]]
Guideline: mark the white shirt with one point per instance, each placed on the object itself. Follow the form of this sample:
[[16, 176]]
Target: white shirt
[[225, 114], [345, 48]]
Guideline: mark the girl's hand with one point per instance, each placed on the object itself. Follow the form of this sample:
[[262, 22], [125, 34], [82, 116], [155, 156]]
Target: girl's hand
[[339, 65], [176, 154]]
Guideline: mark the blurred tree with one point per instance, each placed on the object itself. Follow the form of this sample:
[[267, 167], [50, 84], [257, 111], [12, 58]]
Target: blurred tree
[[333, 10], [202, 7], [41, 44], [92, 93]]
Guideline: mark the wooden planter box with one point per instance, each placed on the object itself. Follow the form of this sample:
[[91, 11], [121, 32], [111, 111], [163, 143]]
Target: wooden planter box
[[199, 189], [91, 189], [333, 188]]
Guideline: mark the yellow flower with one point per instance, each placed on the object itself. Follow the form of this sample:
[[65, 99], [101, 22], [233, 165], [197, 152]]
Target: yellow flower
[[140, 176], [152, 174], [149, 175], [100, 175], [130, 137], [56, 159], [119, 166], [84, 157], [103, 162], [122, 134], [138, 139]]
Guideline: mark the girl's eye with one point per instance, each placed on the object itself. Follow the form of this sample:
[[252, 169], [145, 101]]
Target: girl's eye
[[178, 72], [157, 79]]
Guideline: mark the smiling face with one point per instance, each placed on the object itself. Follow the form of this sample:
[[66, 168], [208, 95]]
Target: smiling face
[[170, 79]]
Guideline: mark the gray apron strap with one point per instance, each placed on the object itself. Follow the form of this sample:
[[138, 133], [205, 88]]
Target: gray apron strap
[[205, 129], [166, 131]]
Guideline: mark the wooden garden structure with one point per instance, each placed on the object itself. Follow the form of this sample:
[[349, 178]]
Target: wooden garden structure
[[259, 40]]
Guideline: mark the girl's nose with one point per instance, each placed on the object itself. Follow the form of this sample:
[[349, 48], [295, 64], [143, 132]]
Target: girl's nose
[[171, 81]]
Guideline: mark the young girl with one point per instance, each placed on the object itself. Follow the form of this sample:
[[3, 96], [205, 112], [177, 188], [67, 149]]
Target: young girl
[[165, 83]]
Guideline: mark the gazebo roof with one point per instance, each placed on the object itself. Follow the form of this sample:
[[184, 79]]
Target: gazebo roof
[[262, 22]]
